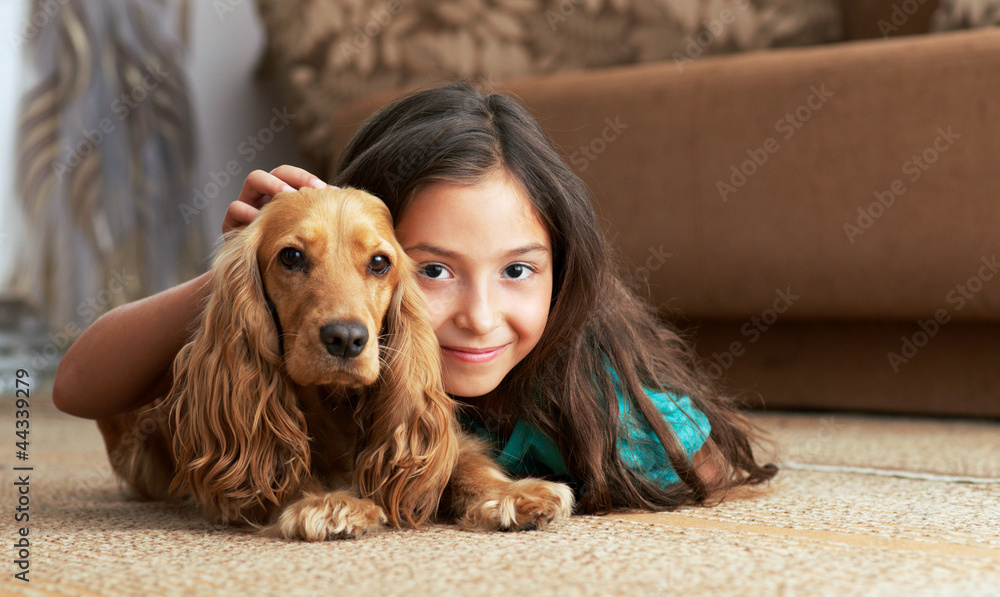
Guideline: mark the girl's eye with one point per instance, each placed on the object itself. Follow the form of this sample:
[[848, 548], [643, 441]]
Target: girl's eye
[[517, 271], [379, 265], [291, 258], [434, 271]]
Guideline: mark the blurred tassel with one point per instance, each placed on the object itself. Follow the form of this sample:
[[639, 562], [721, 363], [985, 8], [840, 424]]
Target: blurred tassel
[[105, 155]]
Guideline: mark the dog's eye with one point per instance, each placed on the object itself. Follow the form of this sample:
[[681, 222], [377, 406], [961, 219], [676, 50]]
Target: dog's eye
[[379, 265], [291, 258]]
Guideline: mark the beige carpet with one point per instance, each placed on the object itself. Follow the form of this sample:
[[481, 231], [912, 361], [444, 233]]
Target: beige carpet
[[832, 524]]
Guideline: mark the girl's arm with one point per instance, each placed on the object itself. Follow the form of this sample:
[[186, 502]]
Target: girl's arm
[[710, 464], [124, 359]]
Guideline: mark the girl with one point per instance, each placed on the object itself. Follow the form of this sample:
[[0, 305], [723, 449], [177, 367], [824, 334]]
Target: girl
[[554, 360]]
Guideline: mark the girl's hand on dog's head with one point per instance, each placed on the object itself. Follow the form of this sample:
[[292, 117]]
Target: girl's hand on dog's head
[[260, 187]]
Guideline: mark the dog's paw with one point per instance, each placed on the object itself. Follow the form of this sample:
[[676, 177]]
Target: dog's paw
[[521, 505], [322, 516]]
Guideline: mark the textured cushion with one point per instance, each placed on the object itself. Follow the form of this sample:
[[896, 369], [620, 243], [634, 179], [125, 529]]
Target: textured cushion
[[965, 14], [325, 53]]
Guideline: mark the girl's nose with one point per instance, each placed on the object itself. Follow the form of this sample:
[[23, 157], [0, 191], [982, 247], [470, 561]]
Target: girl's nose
[[479, 313]]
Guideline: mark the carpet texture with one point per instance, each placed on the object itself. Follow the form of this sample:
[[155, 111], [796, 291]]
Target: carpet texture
[[864, 506]]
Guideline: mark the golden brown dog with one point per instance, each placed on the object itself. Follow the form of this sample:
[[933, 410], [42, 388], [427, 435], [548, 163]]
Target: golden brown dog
[[309, 403]]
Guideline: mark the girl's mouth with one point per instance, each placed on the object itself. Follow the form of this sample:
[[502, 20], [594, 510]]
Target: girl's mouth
[[473, 355]]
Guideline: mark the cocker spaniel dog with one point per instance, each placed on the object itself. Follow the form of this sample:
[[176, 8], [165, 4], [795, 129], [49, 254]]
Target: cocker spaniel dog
[[309, 403]]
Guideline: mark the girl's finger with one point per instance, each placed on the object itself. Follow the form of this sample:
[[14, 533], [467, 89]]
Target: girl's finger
[[238, 214], [260, 186], [297, 177]]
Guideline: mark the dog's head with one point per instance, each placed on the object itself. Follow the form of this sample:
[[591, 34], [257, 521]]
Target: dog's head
[[330, 265], [315, 291]]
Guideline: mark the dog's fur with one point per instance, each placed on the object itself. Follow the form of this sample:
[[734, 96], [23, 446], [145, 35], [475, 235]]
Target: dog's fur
[[269, 423]]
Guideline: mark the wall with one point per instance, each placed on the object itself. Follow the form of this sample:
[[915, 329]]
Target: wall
[[11, 12], [227, 40]]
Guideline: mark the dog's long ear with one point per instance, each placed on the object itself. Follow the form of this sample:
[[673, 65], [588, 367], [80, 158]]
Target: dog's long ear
[[240, 439], [409, 444]]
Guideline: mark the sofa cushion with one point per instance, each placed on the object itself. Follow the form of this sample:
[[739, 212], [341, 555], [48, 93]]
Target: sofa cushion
[[328, 52]]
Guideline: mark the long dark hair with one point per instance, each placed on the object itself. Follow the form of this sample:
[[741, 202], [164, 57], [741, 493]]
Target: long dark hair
[[460, 133]]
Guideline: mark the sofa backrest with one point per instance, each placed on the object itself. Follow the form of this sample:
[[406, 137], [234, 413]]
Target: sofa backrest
[[866, 19]]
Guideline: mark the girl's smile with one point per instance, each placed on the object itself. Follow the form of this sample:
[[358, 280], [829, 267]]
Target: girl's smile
[[473, 355], [485, 264]]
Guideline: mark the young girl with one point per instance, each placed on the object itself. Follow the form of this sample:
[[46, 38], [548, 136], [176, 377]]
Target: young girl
[[554, 360]]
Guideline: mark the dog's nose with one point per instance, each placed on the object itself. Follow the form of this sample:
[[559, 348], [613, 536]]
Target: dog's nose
[[344, 339]]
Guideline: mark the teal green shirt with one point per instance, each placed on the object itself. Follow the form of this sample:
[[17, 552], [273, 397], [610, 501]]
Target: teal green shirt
[[528, 451]]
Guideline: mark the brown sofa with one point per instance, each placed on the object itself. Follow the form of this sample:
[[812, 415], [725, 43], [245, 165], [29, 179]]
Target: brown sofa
[[823, 221]]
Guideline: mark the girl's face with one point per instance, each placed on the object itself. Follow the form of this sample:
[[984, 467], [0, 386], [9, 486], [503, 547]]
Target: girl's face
[[484, 261]]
